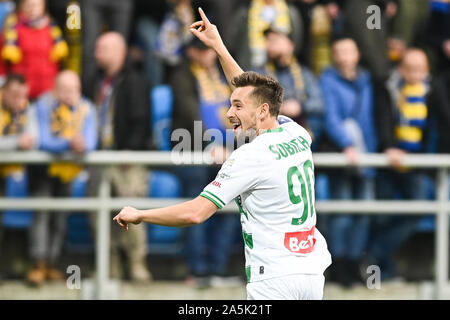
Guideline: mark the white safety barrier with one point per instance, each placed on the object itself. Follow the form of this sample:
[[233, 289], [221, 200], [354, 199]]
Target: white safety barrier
[[104, 203]]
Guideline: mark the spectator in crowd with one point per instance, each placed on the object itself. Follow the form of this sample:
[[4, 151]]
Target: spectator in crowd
[[302, 96], [116, 15], [39, 64], [18, 131], [149, 16], [351, 18], [122, 96], [408, 27], [321, 34], [174, 32], [162, 32], [306, 9], [246, 38], [350, 125], [438, 33], [67, 14], [410, 106], [67, 123], [201, 93]]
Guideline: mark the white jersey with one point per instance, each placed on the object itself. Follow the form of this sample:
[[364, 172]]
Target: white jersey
[[272, 181]]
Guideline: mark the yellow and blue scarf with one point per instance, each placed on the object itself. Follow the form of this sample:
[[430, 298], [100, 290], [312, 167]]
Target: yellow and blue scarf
[[413, 113], [66, 122], [11, 124]]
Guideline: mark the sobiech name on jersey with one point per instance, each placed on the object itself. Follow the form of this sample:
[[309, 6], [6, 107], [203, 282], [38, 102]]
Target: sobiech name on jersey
[[289, 148]]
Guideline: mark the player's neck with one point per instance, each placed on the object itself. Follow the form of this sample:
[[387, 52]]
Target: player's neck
[[270, 124]]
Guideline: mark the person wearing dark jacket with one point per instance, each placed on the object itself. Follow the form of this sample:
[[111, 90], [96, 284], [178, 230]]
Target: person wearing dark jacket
[[413, 116], [438, 32], [122, 96], [201, 100]]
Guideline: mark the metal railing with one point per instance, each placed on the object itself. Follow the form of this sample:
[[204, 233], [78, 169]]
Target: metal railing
[[104, 203]]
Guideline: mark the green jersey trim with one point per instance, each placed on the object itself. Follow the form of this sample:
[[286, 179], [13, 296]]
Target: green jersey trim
[[215, 197], [211, 199], [279, 129], [248, 273]]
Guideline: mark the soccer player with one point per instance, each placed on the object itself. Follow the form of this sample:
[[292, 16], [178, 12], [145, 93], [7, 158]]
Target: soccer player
[[272, 181]]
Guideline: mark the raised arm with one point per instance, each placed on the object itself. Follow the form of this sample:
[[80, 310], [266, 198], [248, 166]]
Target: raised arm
[[209, 35]]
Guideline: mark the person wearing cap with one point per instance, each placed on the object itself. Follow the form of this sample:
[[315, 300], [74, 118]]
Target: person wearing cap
[[201, 93]]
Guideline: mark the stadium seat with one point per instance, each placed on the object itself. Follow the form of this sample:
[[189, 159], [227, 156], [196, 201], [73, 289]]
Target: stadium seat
[[162, 184], [164, 240], [162, 103]]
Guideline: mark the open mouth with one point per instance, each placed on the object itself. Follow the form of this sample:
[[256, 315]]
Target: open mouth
[[236, 126]]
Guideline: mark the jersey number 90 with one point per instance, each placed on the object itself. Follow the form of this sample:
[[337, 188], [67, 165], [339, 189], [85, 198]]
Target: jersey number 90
[[306, 192]]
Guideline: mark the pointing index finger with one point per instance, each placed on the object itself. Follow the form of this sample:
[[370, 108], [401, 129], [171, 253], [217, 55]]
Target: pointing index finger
[[203, 15]]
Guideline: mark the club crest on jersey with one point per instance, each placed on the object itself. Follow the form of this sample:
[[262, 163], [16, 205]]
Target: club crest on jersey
[[300, 242]]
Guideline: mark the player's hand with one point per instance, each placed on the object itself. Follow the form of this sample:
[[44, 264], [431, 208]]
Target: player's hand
[[128, 215], [206, 31]]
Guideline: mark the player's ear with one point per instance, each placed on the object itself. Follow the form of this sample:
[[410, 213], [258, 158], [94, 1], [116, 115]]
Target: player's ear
[[265, 110]]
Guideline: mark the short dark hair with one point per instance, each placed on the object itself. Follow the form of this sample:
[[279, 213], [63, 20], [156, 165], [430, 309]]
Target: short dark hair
[[335, 38], [14, 77], [267, 89]]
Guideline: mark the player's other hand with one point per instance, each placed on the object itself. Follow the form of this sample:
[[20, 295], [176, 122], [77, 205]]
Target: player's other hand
[[128, 215], [206, 31]]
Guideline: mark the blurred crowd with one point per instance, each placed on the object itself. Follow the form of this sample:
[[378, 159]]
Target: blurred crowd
[[362, 76]]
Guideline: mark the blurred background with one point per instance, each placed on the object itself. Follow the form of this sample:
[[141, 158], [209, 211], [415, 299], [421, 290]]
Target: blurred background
[[363, 76]]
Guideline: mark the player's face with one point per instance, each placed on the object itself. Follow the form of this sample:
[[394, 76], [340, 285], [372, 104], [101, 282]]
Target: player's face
[[242, 112]]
